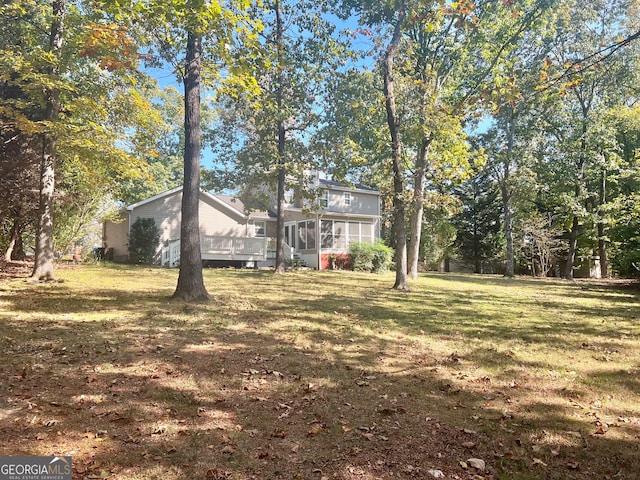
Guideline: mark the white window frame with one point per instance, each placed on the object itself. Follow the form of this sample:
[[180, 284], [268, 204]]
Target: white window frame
[[259, 226], [324, 199], [362, 226], [347, 199]]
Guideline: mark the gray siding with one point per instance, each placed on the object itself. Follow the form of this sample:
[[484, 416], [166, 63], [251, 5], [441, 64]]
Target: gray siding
[[361, 203], [166, 213], [219, 221], [116, 236]]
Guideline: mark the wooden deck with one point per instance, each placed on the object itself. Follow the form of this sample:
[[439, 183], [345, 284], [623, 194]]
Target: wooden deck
[[246, 249]]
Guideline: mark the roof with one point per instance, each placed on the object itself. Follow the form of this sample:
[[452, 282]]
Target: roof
[[357, 186], [227, 201], [237, 204], [155, 197]]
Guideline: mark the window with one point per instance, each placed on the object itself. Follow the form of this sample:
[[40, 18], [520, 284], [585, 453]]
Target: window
[[302, 236], [259, 229], [288, 196], [290, 235], [326, 233], [338, 234], [347, 199], [324, 199], [306, 235], [366, 232], [354, 232]]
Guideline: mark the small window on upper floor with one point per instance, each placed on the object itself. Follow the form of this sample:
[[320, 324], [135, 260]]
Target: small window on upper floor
[[288, 196], [347, 199], [324, 199], [259, 229]]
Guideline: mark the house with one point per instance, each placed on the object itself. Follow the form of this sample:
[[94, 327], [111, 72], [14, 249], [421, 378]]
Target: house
[[316, 233]]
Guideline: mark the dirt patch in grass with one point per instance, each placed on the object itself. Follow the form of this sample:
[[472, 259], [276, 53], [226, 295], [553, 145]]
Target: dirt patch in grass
[[321, 375]]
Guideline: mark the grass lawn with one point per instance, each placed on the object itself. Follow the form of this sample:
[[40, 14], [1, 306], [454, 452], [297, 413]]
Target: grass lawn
[[321, 376]]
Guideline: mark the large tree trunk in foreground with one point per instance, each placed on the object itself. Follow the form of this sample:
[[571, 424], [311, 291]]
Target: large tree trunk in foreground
[[190, 286], [44, 255], [282, 138], [280, 259], [402, 282]]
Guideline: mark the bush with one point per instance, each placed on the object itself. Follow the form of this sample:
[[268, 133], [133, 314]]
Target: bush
[[143, 240], [370, 257]]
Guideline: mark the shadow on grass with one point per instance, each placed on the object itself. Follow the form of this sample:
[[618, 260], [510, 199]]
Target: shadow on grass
[[301, 385]]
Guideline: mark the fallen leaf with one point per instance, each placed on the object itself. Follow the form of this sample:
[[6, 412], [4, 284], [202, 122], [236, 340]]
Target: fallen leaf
[[228, 449], [215, 474], [537, 461], [103, 474], [315, 429], [468, 445], [477, 463]]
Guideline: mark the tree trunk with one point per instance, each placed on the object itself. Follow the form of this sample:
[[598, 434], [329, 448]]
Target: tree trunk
[[12, 240], [282, 171], [280, 260], [575, 224], [400, 228], [190, 286], [578, 189], [508, 231], [417, 210], [18, 249], [506, 198], [15, 240], [44, 255], [602, 238], [573, 246]]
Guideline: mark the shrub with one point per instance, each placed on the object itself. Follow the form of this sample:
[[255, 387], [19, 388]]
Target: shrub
[[370, 257], [143, 240]]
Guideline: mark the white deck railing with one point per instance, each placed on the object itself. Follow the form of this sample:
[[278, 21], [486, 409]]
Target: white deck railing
[[219, 248], [171, 254]]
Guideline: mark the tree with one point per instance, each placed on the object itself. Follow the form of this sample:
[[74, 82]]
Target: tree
[[449, 54], [195, 39], [271, 135], [144, 237], [59, 113], [479, 228], [44, 254], [583, 100], [190, 281]]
